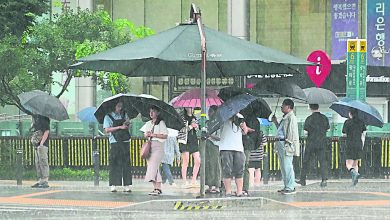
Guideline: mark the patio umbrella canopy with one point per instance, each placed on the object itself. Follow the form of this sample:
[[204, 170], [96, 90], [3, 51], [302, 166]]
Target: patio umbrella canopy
[[191, 98], [177, 51], [367, 113], [41, 103], [108, 105], [171, 118], [319, 96]]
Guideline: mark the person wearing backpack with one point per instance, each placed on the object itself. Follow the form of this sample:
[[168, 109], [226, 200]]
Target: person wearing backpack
[[116, 124]]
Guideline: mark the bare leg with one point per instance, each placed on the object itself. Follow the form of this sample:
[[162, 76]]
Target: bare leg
[[228, 185], [251, 176], [184, 165], [239, 184], [355, 165], [349, 164], [257, 176], [195, 171]]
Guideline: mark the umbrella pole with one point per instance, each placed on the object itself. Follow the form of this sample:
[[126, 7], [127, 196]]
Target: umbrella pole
[[277, 103], [197, 17]]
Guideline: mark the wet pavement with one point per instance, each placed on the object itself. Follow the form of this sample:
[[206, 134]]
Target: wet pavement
[[370, 199]]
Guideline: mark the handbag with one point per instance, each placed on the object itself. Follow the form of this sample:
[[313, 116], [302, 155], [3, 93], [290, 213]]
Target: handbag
[[36, 137], [145, 150], [146, 147]]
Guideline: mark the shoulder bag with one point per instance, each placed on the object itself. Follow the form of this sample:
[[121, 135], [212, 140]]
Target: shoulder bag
[[146, 147]]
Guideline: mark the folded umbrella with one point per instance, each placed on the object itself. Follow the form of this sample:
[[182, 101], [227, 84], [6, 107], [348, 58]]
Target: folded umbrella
[[319, 96], [227, 110], [41, 103], [367, 113]]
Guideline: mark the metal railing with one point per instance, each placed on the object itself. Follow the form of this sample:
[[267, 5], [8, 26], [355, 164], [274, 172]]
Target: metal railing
[[84, 152]]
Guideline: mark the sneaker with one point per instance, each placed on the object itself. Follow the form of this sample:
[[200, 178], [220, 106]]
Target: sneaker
[[127, 189], [301, 182], [155, 192], [281, 190], [43, 185], [323, 183], [195, 185], [289, 192], [245, 193], [113, 189], [36, 185], [186, 186]]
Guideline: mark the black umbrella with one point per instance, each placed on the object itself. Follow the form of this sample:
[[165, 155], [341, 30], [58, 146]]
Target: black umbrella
[[228, 109], [41, 103], [282, 87], [319, 96], [108, 105], [170, 116], [258, 108]]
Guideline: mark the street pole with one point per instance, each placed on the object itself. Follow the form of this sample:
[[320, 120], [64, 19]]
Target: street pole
[[196, 16]]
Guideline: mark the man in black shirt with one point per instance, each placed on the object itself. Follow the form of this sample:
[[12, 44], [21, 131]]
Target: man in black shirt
[[316, 126], [42, 123]]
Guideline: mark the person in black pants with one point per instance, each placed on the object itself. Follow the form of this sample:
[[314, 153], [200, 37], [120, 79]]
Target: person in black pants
[[117, 124], [316, 126]]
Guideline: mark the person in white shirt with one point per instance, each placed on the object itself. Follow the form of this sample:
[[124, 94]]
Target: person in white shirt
[[232, 154], [157, 131]]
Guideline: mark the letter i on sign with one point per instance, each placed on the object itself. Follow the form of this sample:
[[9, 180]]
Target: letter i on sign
[[319, 72]]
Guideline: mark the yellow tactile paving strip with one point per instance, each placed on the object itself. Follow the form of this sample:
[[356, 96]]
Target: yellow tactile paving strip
[[25, 200]]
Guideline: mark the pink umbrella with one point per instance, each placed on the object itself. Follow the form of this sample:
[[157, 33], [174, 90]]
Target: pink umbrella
[[191, 98]]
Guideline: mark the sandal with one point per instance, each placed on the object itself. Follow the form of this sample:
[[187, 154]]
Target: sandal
[[155, 192]]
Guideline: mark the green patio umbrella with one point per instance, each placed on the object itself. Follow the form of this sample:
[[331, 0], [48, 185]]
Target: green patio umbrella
[[177, 51]]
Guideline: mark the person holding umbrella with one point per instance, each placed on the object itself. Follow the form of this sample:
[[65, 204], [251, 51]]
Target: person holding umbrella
[[116, 123], [157, 131], [252, 139], [191, 146], [288, 145], [232, 154], [213, 161], [355, 130], [316, 126], [41, 127]]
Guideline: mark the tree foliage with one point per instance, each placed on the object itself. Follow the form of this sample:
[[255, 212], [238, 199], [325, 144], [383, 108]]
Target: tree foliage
[[16, 15], [52, 46]]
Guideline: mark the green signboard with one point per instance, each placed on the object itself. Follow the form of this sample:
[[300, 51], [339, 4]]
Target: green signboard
[[356, 69]]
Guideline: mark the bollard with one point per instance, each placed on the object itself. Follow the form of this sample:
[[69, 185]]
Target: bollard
[[266, 168], [96, 162], [19, 166]]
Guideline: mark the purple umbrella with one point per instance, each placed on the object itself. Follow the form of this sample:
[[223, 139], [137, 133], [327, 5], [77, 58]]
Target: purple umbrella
[[191, 98]]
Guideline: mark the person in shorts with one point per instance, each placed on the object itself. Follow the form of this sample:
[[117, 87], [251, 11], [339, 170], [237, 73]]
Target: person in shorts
[[190, 147], [232, 154]]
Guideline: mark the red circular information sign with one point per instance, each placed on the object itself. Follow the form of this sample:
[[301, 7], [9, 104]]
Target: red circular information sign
[[318, 74]]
